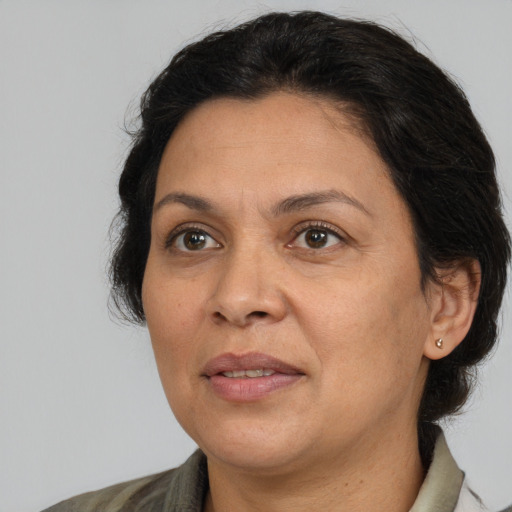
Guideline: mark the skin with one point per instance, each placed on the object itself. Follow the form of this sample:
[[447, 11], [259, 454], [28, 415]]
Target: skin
[[351, 314]]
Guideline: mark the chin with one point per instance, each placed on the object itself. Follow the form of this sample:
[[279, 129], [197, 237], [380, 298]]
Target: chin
[[254, 457], [250, 445]]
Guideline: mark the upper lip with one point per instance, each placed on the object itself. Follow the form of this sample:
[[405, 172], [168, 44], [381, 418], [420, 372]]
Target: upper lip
[[250, 361]]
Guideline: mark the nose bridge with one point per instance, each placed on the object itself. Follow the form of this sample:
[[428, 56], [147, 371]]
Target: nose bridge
[[248, 287]]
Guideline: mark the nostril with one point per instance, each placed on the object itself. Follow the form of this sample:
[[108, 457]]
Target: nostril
[[239, 319]]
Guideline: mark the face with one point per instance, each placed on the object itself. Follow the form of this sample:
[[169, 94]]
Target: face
[[282, 290]]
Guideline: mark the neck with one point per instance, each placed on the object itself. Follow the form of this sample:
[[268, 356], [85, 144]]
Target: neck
[[385, 476]]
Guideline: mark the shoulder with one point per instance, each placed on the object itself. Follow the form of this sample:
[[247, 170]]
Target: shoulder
[[181, 488], [116, 497], [469, 501]]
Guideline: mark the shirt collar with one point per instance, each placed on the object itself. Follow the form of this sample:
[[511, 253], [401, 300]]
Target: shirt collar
[[442, 485]]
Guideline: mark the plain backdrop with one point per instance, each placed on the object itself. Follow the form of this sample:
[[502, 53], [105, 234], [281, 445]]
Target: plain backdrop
[[80, 401]]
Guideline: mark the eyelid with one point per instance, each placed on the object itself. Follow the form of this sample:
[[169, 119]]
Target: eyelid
[[311, 224], [338, 237], [185, 227]]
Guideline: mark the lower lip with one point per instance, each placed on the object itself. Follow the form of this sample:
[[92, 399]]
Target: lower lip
[[250, 389]]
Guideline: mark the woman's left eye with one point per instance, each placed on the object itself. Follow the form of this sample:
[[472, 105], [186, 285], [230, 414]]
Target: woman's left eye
[[316, 238], [194, 240]]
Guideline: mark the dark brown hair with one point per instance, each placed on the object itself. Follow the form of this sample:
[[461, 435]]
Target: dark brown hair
[[418, 118]]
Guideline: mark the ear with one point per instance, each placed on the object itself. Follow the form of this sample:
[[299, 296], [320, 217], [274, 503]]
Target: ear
[[453, 300]]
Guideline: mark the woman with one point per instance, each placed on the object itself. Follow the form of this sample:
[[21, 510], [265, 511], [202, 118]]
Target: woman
[[311, 229]]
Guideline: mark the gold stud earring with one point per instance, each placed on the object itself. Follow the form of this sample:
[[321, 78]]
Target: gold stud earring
[[439, 343]]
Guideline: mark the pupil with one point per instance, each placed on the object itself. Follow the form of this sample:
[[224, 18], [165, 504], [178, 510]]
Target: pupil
[[316, 238], [194, 240]]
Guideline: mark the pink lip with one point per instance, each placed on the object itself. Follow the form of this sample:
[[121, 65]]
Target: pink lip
[[249, 389]]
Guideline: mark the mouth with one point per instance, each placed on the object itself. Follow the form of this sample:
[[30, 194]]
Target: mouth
[[250, 365], [249, 377], [248, 374]]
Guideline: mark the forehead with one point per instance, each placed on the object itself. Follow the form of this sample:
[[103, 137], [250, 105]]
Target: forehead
[[281, 144], [287, 117]]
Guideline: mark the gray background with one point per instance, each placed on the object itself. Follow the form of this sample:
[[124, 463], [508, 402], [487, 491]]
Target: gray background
[[80, 401]]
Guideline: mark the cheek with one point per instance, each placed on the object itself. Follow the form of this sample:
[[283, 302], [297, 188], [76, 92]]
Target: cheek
[[375, 360], [173, 316], [374, 325], [173, 310]]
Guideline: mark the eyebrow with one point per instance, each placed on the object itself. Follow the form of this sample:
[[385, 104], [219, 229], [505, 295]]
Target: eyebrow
[[192, 202], [289, 205], [304, 201]]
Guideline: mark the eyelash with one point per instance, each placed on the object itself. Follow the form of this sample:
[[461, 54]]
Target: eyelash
[[304, 227], [297, 231], [184, 229]]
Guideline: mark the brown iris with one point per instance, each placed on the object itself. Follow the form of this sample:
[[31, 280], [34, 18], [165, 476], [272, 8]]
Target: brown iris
[[316, 238], [194, 240]]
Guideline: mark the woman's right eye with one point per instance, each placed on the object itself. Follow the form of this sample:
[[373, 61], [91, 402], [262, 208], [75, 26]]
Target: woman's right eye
[[193, 240]]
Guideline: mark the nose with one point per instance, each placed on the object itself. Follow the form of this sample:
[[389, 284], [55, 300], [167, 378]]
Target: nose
[[248, 290]]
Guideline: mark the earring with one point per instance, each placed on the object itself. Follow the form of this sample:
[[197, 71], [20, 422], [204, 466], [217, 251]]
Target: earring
[[439, 343]]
